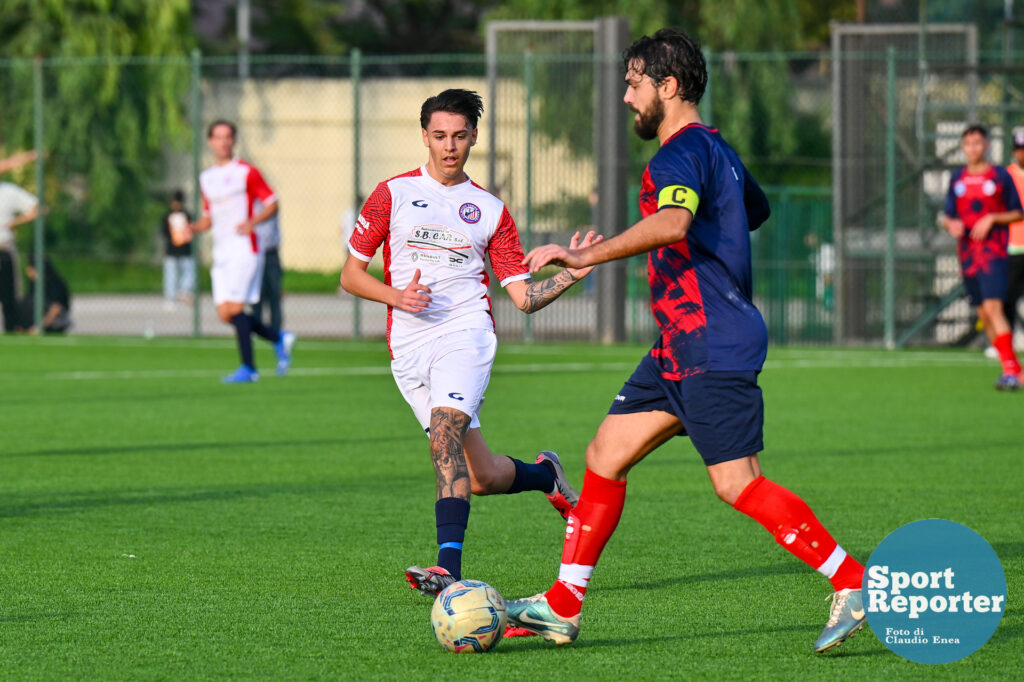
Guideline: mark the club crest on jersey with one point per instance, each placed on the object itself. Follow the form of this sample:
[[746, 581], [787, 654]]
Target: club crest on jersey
[[470, 213]]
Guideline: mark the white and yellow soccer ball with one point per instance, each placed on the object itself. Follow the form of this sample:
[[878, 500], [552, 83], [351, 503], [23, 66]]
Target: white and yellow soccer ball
[[469, 617]]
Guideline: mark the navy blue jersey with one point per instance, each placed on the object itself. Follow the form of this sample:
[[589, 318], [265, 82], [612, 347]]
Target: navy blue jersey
[[971, 196], [701, 288]]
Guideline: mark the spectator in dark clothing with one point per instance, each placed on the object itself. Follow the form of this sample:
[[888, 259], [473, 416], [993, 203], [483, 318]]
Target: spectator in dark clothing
[[179, 268], [17, 207], [56, 300]]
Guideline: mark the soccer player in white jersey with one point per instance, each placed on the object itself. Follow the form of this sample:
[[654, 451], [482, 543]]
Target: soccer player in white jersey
[[230, 187], [436, 227]]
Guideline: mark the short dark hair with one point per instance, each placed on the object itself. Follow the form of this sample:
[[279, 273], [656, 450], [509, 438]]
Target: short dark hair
[[670, 52], [222, 122], [454, 101], [975, 128], [178, 195]]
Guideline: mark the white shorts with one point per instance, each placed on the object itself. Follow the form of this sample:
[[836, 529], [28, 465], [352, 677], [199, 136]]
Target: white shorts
[[449, 371], [237, 277]]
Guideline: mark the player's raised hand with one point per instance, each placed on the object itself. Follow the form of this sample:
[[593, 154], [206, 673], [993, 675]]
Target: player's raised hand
[[413, 298], [552, 254], [17, 160], [574, 244]]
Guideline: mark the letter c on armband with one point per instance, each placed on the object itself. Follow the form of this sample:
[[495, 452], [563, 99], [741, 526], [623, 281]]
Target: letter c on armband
[[677, 195]]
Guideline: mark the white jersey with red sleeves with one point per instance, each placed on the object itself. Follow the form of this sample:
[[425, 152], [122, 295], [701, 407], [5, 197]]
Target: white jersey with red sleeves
[[445, 233], [229, 192]]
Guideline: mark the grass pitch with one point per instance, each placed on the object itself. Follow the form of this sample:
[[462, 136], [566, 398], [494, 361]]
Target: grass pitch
[[158, 525]]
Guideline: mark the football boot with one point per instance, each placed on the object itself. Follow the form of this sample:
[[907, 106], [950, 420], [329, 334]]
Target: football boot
[[536, 615], [429, 581], [845, 617], [242, 375], [565, 496]]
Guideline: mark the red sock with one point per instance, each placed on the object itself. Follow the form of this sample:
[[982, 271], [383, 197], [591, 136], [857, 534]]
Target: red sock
[[1004, 344], [794, 526], [591, 522]]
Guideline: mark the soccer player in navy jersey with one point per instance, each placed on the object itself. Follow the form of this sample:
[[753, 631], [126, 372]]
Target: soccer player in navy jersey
[[981, 202], [700, 379]]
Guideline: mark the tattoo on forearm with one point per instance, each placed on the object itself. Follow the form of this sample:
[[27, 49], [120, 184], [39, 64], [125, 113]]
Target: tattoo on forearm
[[448, 429], [539, 294]]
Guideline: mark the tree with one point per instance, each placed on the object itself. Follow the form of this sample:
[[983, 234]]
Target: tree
[[327, 27], [108, 118], [750, 96]]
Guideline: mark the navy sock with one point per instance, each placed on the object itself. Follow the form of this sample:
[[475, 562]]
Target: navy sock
[[243, 332], [531, 477], [452, 516], [262, 330]]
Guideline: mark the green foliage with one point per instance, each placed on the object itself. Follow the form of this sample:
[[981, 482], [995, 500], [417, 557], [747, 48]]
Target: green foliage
[[815, 17], [290, 27], [750, 100], [328, 27], [646, 16], [108, 120]]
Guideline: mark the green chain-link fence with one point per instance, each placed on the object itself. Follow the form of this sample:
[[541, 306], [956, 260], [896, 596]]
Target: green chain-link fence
[[324, 131]]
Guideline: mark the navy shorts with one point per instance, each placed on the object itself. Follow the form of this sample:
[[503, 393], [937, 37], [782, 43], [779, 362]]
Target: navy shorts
[[991, 284], [721, 412]]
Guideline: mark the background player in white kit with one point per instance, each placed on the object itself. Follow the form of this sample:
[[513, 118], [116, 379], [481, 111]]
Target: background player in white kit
[[436, 226], [230, 188]]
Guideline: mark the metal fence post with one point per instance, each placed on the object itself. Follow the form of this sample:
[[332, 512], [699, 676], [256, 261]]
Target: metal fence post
[[40, 225], [492, 102], [355, 67], [890, 201], [528, 69], [612, 157], [838, 233], [196, 106]]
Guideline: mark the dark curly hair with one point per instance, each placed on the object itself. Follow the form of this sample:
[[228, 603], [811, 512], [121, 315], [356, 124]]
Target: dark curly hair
[[975, 128], [670, 52], [454, 101]]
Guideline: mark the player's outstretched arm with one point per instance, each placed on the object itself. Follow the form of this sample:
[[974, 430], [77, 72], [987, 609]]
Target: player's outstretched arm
[[268, 212], [659, 229], [531, 296], [357, 281], [980, 230], [201, 225], [17, 160], [26, 217]]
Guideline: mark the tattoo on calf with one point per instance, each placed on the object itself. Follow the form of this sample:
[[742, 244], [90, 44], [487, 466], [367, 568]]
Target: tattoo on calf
[[448, 429]]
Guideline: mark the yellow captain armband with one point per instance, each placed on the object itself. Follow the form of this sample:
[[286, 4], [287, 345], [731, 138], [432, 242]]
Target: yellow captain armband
[[677, 195]]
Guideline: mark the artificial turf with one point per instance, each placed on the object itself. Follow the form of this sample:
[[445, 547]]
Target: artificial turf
[[159, 525]]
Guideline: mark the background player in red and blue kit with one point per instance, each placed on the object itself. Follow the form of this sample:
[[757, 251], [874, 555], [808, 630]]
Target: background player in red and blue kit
[[980, 203], [700, 379]]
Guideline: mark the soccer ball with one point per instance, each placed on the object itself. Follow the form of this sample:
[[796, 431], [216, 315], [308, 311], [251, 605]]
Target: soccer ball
[[468, 617]]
